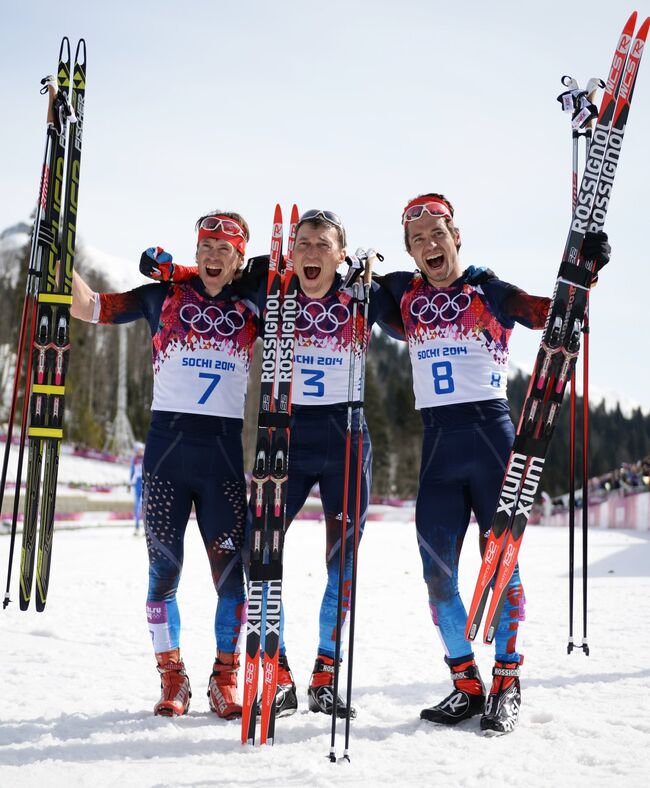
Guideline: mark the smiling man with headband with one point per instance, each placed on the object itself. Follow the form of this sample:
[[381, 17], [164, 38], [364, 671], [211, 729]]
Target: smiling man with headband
[[322, 355], [458, 323], [202, 340]]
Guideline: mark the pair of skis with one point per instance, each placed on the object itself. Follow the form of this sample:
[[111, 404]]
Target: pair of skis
[[44, 327], [560, 343], [269, 486]]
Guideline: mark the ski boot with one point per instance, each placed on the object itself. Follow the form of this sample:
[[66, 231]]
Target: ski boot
[[174, 685], [504, 701], [222, 687], [286, 700], [466, 700], [321, 690]]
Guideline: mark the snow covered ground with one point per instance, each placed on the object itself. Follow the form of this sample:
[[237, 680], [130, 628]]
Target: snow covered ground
[[79, 681]]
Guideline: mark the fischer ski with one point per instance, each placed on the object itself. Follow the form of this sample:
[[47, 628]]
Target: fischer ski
[[47, 310], [560, 343], [269, 487]]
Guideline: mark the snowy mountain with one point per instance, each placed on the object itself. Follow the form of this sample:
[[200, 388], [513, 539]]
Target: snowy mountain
[[121, 273], [596, 393]]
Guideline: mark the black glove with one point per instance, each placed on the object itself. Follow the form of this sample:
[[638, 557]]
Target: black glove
[[478, 276], [253, 273], [156, 263], [596, 248]]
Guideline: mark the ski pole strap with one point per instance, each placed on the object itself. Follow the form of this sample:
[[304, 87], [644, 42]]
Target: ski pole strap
[[576, 275], [274, 420]]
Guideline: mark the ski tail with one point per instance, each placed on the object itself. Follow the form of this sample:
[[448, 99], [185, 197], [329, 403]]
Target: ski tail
[[252, 665]]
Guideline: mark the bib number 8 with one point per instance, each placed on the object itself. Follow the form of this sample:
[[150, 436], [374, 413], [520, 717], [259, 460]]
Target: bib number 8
[[443, 382]]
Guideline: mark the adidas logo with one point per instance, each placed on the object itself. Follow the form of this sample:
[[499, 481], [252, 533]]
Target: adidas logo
[[228, 544]]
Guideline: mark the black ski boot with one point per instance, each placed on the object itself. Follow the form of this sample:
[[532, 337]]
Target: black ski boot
[[321, 690], [503, 702], [466, 700]]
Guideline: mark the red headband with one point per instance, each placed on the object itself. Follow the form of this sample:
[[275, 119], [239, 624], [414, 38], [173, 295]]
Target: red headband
[[234, 240], [218, 226]]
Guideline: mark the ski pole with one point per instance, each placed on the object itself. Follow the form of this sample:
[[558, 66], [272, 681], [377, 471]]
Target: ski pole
[[344, 515], [363, 350], [580, 103]]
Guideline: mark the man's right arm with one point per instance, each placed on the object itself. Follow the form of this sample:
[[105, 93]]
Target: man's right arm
[[109, 308], [84, 300]]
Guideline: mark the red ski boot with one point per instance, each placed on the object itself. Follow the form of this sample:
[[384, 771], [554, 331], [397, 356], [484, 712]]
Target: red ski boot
[[222, 687], [174, 685]]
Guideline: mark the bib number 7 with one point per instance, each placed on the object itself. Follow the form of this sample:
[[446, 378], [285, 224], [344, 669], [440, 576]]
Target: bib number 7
[[214, 379]]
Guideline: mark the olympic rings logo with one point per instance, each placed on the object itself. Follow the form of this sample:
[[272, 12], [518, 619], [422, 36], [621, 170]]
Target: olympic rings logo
[[327, 320], [212, 318], [440, 306]]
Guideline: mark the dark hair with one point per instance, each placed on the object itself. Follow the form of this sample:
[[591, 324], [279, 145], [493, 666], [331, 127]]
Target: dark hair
[[229, 215], [319, 221], [455, 231]]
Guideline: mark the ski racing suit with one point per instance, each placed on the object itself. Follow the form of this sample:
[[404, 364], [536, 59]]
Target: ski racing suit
[[458, 344], [201, 352], [322, 355]]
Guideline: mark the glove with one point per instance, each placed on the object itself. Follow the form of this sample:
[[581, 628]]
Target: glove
[[156, 263], [253, 273], [478, 276], [356, 264], [595, 247]]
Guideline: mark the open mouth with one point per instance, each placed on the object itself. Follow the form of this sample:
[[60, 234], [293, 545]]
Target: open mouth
[[311, 271], [213, 271], [435, 262]]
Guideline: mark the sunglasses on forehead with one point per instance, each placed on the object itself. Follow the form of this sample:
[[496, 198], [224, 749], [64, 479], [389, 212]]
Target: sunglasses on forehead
[[433, 208], [328, 216], [216, 223]]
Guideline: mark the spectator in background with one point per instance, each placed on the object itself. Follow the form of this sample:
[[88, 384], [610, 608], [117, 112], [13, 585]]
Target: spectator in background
[[135, 482]]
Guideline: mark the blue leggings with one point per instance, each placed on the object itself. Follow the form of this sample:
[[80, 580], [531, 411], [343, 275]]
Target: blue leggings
[[464, 454], [205, 468]]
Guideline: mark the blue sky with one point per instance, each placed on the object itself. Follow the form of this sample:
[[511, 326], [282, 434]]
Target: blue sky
[[351, 106]]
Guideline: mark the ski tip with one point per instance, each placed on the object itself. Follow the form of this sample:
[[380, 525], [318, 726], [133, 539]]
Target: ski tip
[[277, 214], [631, 22], [295, 214], [80, 53], [642, 32], [64, 50]]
